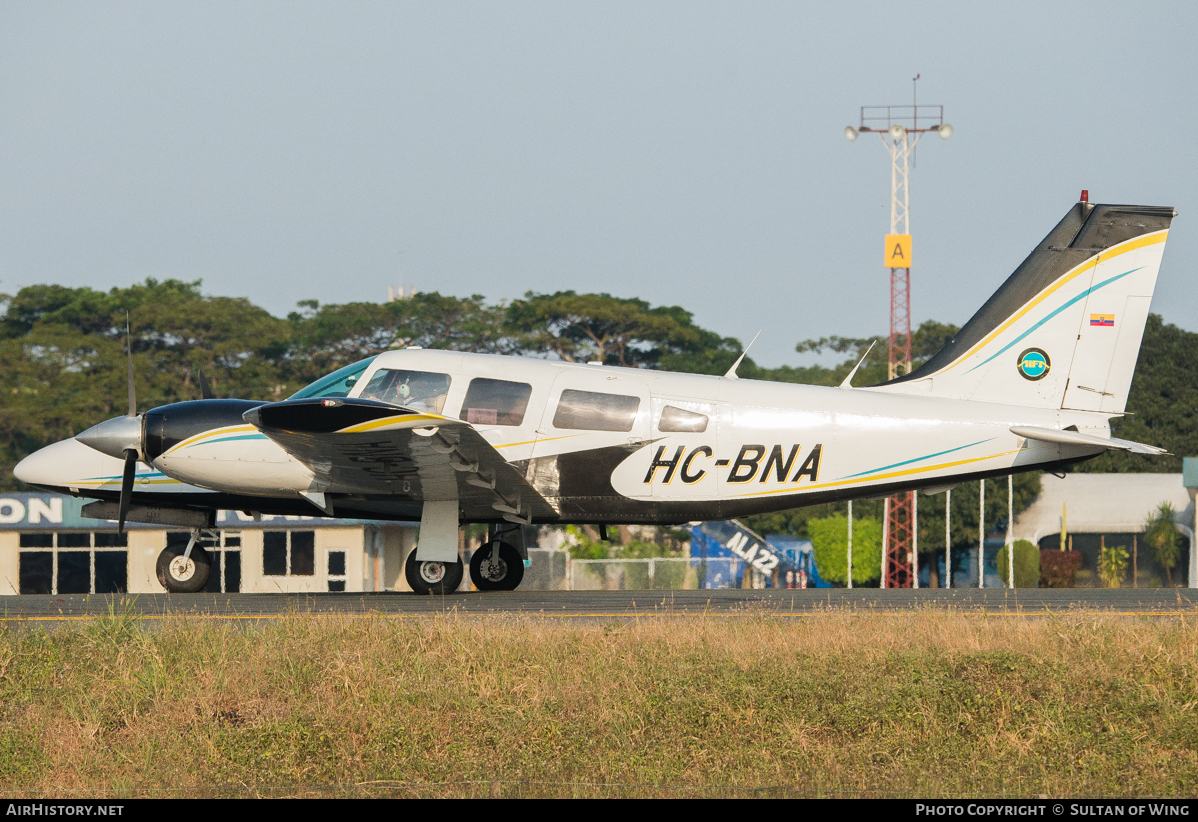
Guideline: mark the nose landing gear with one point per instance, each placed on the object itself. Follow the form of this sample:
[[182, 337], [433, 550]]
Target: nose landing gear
[[496, 566], [184, 571]]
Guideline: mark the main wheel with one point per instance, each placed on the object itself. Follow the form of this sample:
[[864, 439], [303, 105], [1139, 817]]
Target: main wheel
[[501, 573], [433, 577], [183, 577]]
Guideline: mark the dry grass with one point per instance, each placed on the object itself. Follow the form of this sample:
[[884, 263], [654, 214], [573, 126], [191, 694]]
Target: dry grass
[[933, 704]]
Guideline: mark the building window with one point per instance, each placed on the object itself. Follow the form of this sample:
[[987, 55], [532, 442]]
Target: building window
[[591, 411], [495, 402], [36, 572], [73, 571], [112, 572], [336, 570], [289, 553]]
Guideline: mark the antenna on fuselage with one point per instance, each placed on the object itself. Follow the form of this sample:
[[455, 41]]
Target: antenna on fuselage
[[848, 381], [731, 375]]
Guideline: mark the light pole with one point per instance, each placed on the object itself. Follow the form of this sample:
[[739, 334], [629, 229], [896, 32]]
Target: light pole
[[900, 129]]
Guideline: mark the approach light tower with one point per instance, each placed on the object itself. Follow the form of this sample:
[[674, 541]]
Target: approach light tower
[[900, 128]]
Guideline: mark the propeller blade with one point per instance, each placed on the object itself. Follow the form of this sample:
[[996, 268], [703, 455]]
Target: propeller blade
[[205, 389], [126, 488], [129, 350]]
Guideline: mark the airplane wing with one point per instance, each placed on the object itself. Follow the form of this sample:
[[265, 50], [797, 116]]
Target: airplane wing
[[362, 446], [1061, 437]]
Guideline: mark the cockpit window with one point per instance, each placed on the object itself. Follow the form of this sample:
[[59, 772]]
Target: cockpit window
[[337, 384], [680, 421], [418, 390]]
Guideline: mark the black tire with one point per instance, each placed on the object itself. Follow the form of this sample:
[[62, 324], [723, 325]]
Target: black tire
[[505, 575], [179, 579], [433, 577]]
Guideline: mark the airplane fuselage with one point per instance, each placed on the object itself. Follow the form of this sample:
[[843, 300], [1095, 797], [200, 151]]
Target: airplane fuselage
[[605, 444]]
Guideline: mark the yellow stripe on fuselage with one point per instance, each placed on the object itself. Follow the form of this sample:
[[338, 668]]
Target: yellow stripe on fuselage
[[860, 481]]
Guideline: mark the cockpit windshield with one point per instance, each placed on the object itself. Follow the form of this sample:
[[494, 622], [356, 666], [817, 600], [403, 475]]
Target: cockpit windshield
[[337, 384]]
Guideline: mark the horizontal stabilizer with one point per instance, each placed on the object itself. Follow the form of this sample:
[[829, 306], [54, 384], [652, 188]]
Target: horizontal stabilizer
[[1059, 437]]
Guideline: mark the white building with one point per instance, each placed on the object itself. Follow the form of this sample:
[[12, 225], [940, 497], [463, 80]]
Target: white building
[[48, 547]]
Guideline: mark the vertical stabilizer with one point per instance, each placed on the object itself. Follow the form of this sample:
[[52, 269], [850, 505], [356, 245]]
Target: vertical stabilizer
[[1064, 330]]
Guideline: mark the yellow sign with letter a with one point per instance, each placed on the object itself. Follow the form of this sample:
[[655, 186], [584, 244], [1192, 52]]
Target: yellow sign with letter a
[[898, 250]]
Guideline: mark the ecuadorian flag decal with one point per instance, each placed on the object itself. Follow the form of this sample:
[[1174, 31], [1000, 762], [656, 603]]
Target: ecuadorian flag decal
[[1103, 320]]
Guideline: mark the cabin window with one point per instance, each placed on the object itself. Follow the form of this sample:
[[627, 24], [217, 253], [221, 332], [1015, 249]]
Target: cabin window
[[590, 411], [495, 402], [680, 421], [418, 390]]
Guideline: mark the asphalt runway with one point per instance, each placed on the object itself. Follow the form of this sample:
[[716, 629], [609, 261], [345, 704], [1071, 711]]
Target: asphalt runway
[[591, 605]]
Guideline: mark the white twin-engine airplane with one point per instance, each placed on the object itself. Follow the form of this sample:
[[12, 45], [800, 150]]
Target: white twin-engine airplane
[[445, 438]]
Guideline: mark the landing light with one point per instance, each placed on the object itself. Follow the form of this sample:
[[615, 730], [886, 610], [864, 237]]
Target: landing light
[[897, 132], [850, 133], [945, 131]]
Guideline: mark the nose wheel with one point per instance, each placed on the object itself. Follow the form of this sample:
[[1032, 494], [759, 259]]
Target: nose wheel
[[433, 577], [496, 566], [184, 570]]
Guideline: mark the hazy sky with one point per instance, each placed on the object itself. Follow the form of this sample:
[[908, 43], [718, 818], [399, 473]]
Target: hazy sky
[[685, 153]]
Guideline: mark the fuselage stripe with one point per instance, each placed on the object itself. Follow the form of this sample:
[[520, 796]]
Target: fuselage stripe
[[851, 481], [917, 459], [1080, 296], [1131, 245]]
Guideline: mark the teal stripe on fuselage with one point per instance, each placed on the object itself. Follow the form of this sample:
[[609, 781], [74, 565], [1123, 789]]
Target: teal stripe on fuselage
[[230, 439], [917, 459]]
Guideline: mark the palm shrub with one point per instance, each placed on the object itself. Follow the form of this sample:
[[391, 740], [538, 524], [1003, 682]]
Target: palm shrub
[[1027, 564], [1112, 565], [1160, 532]]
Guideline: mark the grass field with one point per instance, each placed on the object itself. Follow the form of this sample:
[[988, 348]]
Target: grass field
[[930, 704]]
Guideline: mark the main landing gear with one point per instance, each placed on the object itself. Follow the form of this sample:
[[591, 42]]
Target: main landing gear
[[433, 577], [184, 570], [496, 566]]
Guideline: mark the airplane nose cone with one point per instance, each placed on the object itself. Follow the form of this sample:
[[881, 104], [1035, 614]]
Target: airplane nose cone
[[113, 437], [65, 464]]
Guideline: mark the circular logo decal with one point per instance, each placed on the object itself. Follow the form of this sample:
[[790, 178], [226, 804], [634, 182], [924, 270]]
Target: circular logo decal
[[1034, 364]]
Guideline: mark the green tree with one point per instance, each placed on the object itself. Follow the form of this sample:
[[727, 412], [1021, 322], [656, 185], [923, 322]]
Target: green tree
[[600, 327], [1162, 405], [1027, 565], [829, 539], [1160, 534]]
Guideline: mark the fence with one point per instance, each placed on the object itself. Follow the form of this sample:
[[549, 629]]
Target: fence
[[658, 574]]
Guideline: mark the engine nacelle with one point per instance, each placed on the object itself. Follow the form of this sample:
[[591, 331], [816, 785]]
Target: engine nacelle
[[208, 444]]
